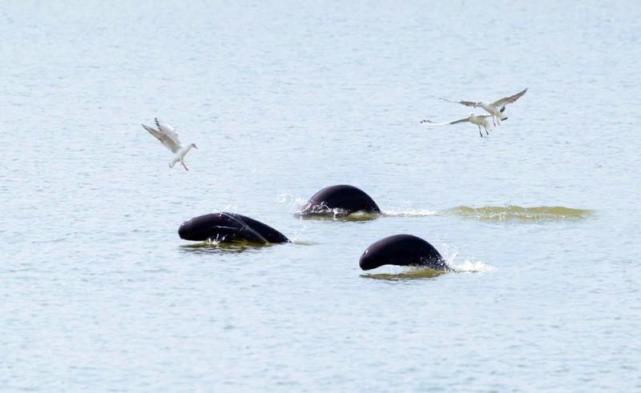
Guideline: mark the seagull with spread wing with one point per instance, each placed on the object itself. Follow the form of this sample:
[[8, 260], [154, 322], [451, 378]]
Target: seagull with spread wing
[[481, 121], [168, 137], [496, 108]]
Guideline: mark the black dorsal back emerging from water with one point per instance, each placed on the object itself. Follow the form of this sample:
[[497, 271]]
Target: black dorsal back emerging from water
[[340, 200], [402, 250], [229, 227]]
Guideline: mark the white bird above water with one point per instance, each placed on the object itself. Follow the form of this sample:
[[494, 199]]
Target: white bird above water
[[495, 108], [168, 137], [481, 121]]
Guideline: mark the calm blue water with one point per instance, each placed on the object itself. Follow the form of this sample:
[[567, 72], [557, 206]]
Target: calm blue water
[[98, 293]]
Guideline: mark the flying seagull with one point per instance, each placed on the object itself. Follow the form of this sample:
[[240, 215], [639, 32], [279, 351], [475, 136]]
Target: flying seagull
[[481, 121], [496, 108], [168, 137]]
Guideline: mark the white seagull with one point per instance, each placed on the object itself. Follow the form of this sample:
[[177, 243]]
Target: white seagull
[[496, 108], [168, 137], [481, 121]]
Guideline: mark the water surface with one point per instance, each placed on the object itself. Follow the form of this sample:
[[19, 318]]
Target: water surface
[[283, 98]]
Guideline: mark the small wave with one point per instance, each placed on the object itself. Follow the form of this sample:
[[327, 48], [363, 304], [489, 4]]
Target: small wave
[[340, 215], [518, 213], [409, 213]]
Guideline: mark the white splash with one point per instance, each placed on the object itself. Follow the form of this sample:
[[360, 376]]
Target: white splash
[[466, 266], [293, 203]]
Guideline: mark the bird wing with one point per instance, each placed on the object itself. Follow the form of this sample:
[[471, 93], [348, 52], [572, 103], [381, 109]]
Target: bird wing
[[432, 124], [473, 104], [166, 140], [508, 100], [460, 121], [167, 130]]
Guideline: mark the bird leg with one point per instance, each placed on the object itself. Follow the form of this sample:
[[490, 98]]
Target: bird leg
[[486, 132], [183, 164], [480, 133]]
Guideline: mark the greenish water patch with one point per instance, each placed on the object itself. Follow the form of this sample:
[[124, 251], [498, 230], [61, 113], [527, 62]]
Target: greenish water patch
[[209, 247], [519, 213]]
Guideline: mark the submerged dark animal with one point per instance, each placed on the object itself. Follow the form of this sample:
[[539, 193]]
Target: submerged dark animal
[[229, 227], [402, 250], [340, 200]]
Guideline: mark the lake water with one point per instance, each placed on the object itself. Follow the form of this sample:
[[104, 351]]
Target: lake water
[[283, 98]]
